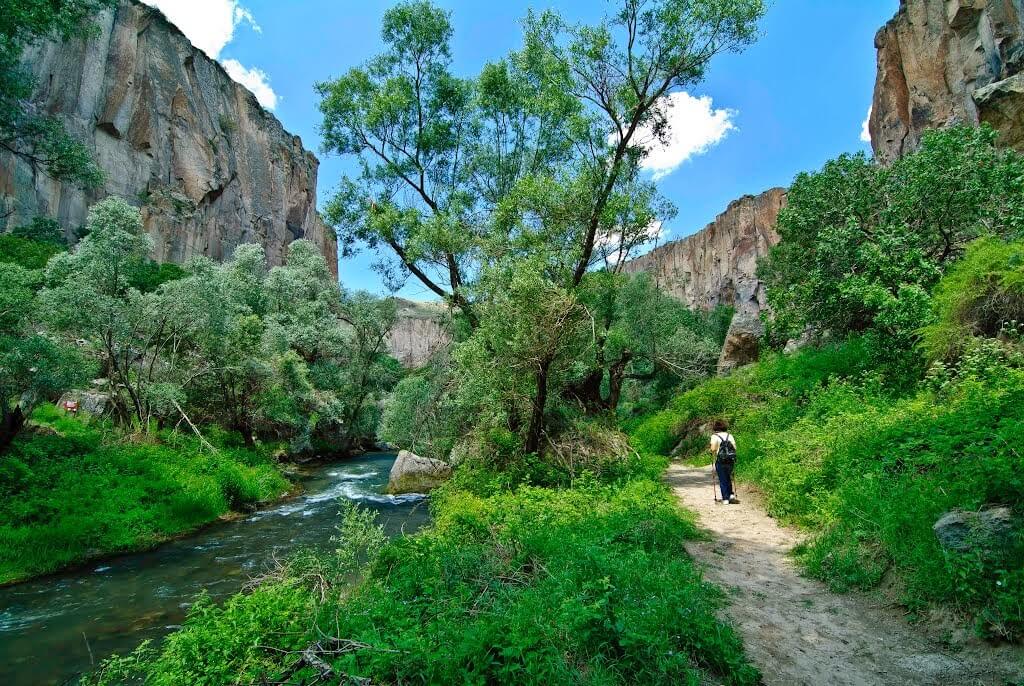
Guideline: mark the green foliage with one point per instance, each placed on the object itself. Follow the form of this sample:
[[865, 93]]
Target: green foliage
[[862, 245], [149, 275], [512, 584], [72, 490], [982, 295], [26, 253], [869, 472], [42, 230], [39, 139], [33, 365], [283, 353]]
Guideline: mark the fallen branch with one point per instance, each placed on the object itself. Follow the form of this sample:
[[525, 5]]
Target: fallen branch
[[202, 440]]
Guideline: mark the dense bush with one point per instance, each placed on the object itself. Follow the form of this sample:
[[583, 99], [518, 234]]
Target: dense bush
[[71, 490], [869, 469], [513, 584], [983, 295], [862, 244]]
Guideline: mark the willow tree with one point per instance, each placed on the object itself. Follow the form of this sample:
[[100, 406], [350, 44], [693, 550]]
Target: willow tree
[[537, 159]]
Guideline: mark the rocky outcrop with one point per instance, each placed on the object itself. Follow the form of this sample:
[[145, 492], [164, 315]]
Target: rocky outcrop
[[939, 63], [718, 264], [210, 168], [742, 342], [420, 329], [414, 474]]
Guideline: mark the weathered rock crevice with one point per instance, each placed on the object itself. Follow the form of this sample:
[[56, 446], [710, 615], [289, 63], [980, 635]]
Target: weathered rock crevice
[[943, 62]]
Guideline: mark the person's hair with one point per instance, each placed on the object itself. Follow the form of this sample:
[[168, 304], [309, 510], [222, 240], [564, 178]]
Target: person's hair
[[720, 425]]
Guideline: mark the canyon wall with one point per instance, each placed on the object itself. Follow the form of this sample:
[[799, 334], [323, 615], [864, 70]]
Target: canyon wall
[[208, 166], [718, 264], [420, 329], [942, 62]]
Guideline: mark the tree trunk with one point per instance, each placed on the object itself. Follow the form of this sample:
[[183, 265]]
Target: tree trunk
[[12, 422], [540, 400], [616, 375]]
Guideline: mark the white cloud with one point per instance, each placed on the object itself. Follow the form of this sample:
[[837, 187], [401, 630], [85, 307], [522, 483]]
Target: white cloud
[[694, 127], [210, 25], [865, 132], [255, 79]]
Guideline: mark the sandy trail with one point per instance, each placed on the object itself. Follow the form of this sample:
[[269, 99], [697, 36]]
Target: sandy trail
[[795, 630]]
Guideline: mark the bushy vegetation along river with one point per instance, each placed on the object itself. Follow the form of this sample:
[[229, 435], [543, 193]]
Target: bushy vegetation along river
[[53, 628]]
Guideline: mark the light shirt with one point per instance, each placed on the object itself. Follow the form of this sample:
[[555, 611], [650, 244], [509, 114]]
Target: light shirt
[[716, 441]]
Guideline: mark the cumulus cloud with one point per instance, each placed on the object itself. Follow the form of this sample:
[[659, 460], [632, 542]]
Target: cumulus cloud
[[865, 132], [255, 79], [694, 127], [210, 25]]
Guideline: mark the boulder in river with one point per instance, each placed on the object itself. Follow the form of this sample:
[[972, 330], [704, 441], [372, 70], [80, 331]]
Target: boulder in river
[[414, 474], [989, 528]]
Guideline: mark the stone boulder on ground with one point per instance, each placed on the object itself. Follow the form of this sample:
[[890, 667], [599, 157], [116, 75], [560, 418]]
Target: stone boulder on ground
[[742, 342], [92, 403], [961, 531], [414, 474]]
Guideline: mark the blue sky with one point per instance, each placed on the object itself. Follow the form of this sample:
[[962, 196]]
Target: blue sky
[[795, 99]]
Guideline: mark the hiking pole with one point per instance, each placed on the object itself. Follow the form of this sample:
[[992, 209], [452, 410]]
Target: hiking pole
[[714, 482]]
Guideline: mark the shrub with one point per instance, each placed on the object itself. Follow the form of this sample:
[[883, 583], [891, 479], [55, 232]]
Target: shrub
[[869, 469], [78, 490]]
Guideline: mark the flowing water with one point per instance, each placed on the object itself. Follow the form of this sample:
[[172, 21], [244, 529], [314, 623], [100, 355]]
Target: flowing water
[[53, 628]]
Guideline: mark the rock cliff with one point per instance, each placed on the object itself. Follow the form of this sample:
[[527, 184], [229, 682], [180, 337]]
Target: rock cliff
[[718, 264], [948, 61], [210, 168], [420, 329]]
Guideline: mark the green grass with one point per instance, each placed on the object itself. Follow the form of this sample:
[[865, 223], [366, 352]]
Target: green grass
[[71, 491], [869, 469], [582, 584]]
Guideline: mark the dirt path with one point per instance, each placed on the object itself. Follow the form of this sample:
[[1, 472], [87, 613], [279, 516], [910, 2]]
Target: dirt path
[[795, 630]]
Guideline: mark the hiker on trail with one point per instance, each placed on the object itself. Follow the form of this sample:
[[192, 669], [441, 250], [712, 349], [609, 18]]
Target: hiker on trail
[[723, 447]]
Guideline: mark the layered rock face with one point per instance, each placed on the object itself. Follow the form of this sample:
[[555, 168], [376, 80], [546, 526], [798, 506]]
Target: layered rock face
[[210, 168], [718, 264], [942, 62], [419, 330]]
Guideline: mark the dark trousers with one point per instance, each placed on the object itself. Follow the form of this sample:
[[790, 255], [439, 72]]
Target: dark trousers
[[724, 478]]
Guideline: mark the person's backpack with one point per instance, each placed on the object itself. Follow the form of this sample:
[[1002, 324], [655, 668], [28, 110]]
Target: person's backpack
[[726, 450]]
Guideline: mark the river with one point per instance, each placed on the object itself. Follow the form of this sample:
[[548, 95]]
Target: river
[[53, 628]]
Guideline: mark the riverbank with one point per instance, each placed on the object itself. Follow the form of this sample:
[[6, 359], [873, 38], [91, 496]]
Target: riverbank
[[54, 627], [72, 492], [525, 577]]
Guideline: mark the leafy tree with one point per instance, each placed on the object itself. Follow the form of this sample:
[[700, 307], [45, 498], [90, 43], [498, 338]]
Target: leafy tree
[[33, 366], [535, 165], [862, 245], [137, 337], [39, 138]]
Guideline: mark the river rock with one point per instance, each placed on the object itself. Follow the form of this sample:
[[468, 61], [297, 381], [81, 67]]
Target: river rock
[[414, 474], [961, 530], [742, 342]]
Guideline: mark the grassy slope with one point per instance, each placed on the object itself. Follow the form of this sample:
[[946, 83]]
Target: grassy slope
[[580, 584], [72, 491], [869, 470]]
